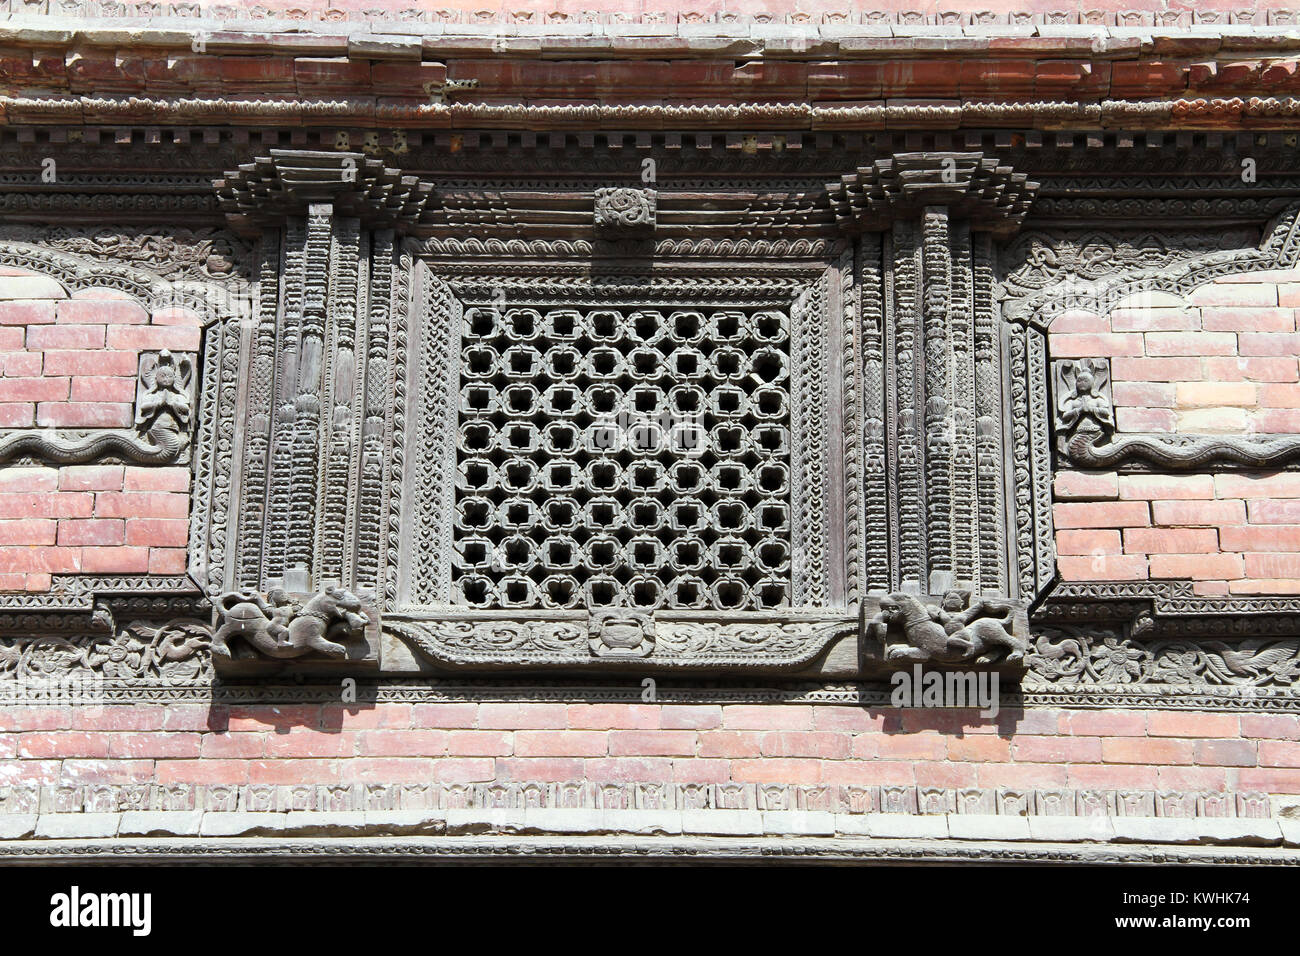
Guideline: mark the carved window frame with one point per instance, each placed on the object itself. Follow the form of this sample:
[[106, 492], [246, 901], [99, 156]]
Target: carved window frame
[[418, 603]]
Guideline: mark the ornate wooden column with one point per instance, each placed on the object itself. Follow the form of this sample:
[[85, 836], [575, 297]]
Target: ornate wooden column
[[308, 512], [935, 376]]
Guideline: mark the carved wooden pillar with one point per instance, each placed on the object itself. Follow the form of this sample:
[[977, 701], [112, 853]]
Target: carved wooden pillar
[[936, 459], [307, 510]]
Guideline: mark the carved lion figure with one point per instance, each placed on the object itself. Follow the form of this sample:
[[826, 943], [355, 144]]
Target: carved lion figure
[[278, 627], [980, 633]]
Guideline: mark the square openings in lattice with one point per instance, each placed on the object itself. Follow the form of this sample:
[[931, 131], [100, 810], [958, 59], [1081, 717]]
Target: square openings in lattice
[[623, 456]]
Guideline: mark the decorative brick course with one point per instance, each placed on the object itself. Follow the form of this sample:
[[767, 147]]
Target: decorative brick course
[[393, 743]]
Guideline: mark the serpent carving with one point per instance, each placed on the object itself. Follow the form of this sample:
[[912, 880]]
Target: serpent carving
[[1174, 451], [162, 423]]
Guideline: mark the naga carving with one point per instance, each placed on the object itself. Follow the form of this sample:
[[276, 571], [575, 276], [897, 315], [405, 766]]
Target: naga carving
[[957, 631], [163, 418], [277, 626], [1086, 434]]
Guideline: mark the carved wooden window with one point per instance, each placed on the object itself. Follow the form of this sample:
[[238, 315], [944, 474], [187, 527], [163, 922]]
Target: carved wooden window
[[627, 447], [623, 457]]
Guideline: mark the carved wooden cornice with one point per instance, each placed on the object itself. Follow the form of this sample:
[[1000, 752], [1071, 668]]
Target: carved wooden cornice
[[971, 185], [288, 182], [349, 111]]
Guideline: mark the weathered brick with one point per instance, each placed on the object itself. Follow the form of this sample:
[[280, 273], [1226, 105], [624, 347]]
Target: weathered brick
[[1103, 567], [1154, 319], [90, 478], [1086, 485], [630, 769], [1101, 514], [83, 415], [1279, 395], [444, 715], [1253, 369], [119, 560], [51, 389], [612, 716], [1217, 420], [63, 504], [1088, 541], [522, 717], [30, 286], [1272, 566], [1226, 753], [1105, 345], [157, 532], [26, 313], [91, 531], [178, 338], [824, 745], [137, 478], [1143, 419], [141, 504], [1056, 749], [1145, 751], [480, 743], [97, 388], [1279, 753], [1171, 723], [979, 748], [1171, 540], [1240, 319], [652, 743], [1269, 511], [226, 746], [1269, 344], [765, 717], [1157, 369], [1190, 343], [27, 531], [1140, 487], [730, 743], [1100, 723], [1143, 394], [1280, 537], [691, 716], [101, 312], [91, 362], [1202, 394], [153, 745], [561, 743], [65, 337], [17, 414], [1213, 513], [1235, 294], [1206, 566]]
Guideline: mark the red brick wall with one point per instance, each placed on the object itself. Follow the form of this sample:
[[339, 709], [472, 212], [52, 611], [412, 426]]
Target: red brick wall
[[1225, 360], [70, 362], [710, 743]]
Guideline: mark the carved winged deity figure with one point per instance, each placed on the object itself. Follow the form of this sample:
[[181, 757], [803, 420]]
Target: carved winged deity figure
[[166, 383], [1083, 400]]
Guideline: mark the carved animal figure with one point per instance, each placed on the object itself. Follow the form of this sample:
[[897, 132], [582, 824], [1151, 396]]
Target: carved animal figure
[[279, 628], [926, 629]]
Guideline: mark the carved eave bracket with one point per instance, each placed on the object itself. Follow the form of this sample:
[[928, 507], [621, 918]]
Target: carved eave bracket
[[287, 183], [255, 633], [993, 196]]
